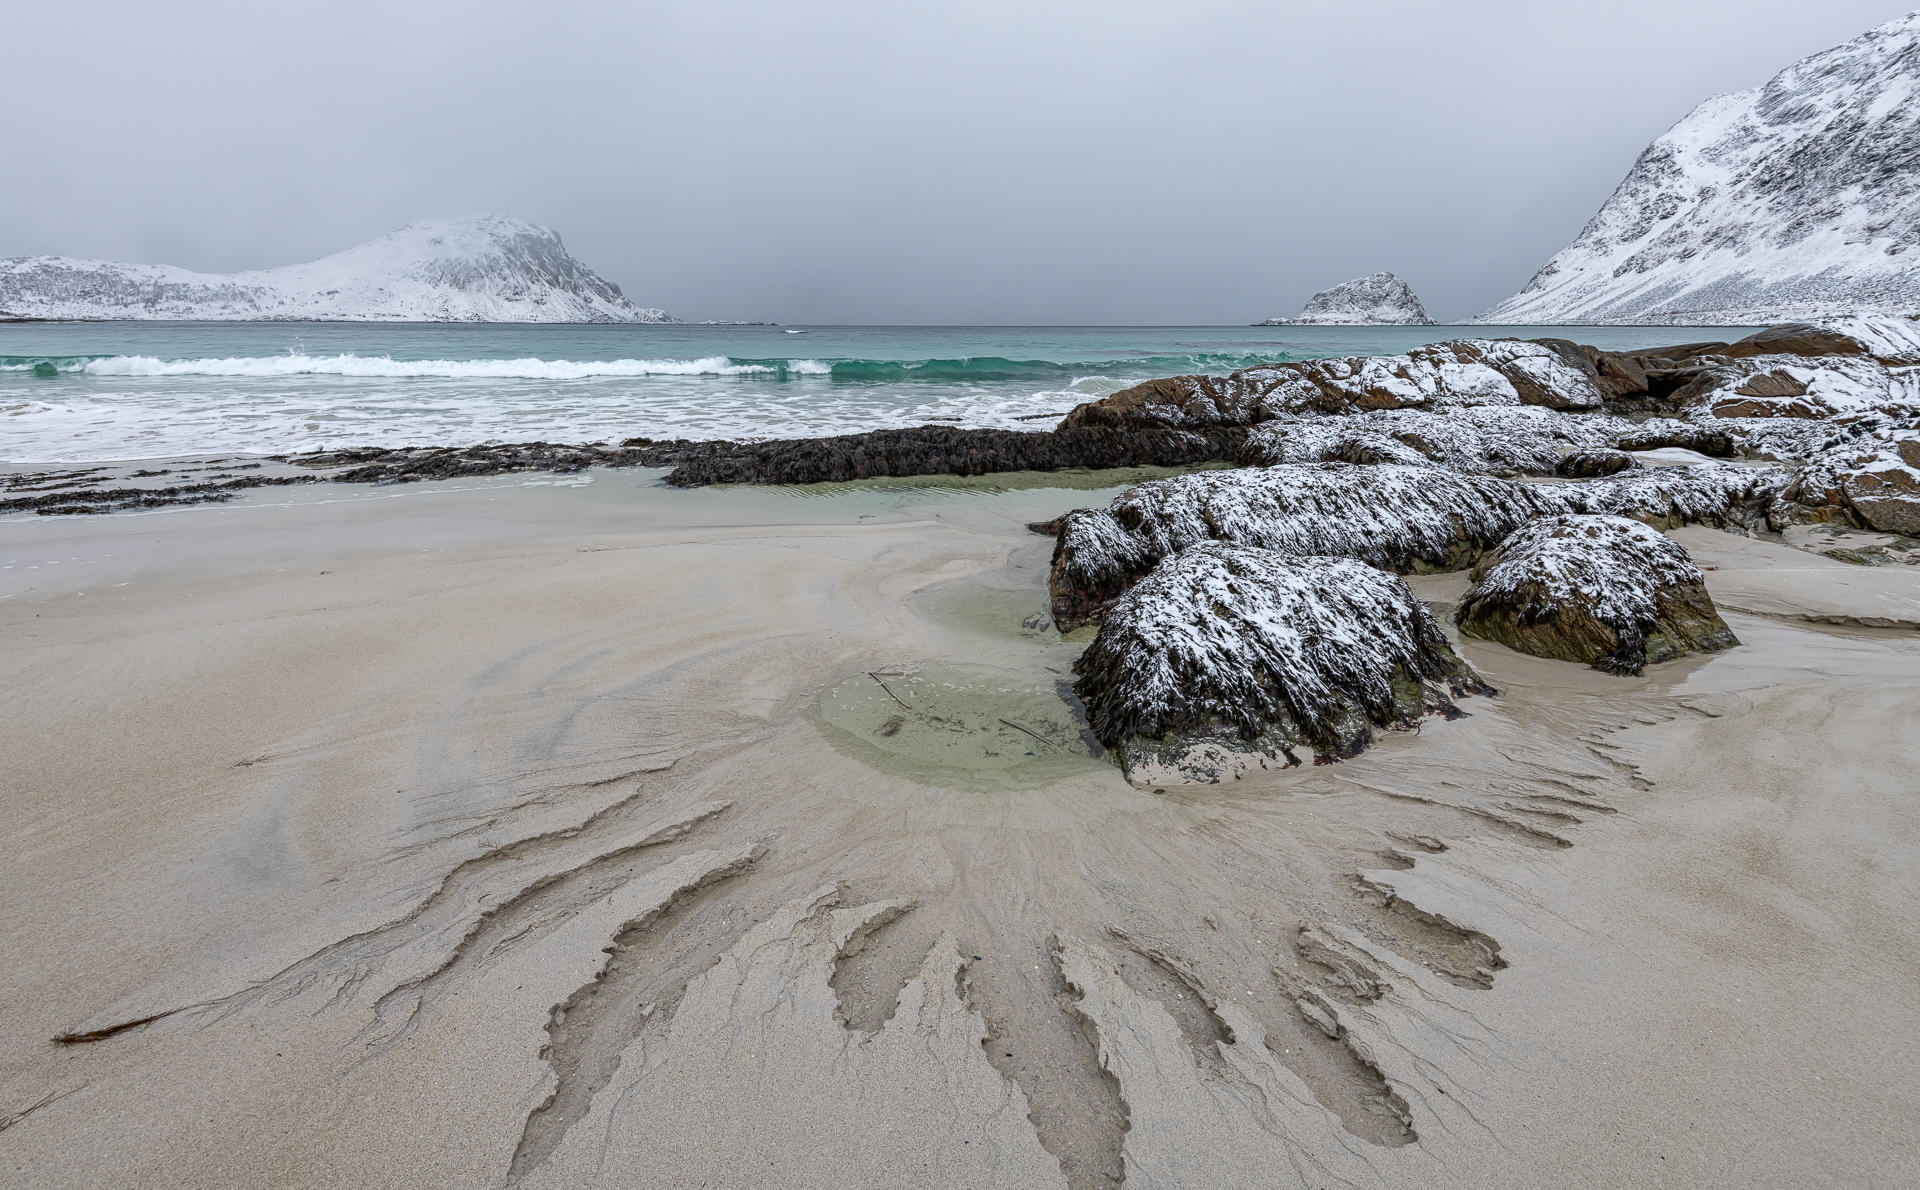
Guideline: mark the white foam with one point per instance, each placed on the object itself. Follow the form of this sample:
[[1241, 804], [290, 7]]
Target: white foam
[[385, 367]]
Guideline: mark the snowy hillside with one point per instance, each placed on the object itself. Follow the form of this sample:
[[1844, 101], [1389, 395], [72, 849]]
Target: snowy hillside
[[1379, 299], [1799, 199], [483, 268]]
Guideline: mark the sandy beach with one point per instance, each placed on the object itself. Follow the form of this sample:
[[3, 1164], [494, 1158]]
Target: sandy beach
[[569, 834]]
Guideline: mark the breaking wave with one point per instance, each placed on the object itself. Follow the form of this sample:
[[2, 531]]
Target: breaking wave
[[975, 368]]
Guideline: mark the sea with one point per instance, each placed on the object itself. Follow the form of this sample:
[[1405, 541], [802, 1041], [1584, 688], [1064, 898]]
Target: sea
[[114, 391]]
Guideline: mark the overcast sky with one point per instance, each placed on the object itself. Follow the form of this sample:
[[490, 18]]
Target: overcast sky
[[990, 161]]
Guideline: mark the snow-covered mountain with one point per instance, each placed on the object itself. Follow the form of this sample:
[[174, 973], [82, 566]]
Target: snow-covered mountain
[[1799, 199], [1379, 299], [483, 268]]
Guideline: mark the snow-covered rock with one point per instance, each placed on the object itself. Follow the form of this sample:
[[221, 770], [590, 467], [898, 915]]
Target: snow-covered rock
[[1793, 386], [1228, 657], [487, 268], [1389, 515], [1873, 482], [1476, 440], [1378, 299], [1719, 494], [1603, 591], [1798, 199], [1457, 373]]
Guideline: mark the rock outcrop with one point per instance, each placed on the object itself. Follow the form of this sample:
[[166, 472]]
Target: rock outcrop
[[1603, 591], [1394, 516], [946, 450], [1378, 299], [486, 268], [1873, 483], [1476, 440], [1398, 517], [1798, 199], [1228, 657], [1462, 372]]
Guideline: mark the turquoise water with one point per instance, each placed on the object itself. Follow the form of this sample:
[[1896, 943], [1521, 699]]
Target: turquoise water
[[80, 392]]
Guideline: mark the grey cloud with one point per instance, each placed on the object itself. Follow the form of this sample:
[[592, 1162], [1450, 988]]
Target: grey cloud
[[1113, 162]]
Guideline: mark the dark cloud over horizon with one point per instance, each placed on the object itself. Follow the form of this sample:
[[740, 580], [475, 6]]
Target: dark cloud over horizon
[[994, 162]]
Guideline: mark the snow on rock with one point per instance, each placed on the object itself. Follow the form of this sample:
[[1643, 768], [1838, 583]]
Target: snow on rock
[[1892, 341], [1792, 386], [1378, 299], [1713, 493], [1873, 482], [1395, 516], [1476, 440], [1458, 373], [1798, 199], [1228, 657], [1388, 515], [486, 268], [1604, 591]]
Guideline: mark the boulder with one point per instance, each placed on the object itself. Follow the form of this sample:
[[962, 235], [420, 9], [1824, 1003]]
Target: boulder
[[1658, 433], [1604, 591], [1593, 464], [1228, 657]]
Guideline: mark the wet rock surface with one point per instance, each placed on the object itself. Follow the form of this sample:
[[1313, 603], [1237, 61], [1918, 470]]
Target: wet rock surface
[[1603, 591], [1227, 657], [1592, 464], [946, 450]]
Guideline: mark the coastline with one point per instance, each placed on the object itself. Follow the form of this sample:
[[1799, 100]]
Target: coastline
[[307, 763]]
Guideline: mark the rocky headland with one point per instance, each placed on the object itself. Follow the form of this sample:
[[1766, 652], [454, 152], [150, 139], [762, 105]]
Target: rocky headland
[[482, 268]]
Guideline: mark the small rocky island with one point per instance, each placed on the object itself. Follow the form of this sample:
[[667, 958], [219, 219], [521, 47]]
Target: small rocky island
[[1377, 299]]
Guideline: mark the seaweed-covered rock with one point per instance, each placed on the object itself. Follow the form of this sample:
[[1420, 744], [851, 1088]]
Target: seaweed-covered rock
[[1228, 657], [1659, 433], [1399, 517], [1719, 494], [1604, 591], [1593, 464], [1873, 482], [945, 450]]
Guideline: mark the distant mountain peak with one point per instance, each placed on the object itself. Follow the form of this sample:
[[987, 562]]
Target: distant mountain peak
[[476, 268], [1799, 199], [1377, 299]]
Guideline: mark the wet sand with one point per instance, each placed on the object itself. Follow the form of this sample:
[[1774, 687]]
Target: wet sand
[[566, 834]]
